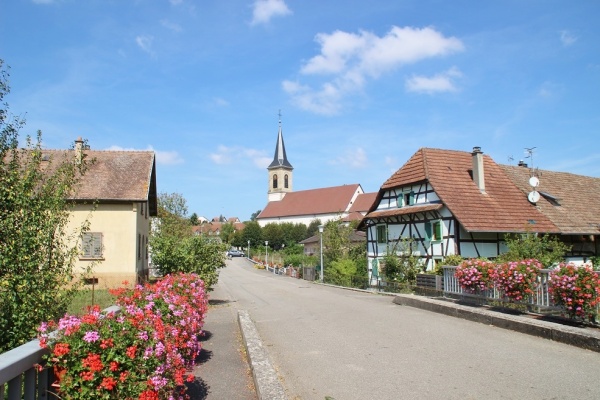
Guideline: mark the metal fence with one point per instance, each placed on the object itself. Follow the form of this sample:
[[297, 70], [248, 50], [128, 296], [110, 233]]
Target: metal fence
[[19, 377], [541, 299]]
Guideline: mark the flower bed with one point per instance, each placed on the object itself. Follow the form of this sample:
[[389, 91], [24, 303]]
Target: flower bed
[[577, 289], [475, 275], [144, 352], [516, 279]]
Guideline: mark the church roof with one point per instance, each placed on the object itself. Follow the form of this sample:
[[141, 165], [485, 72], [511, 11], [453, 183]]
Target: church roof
[[280, 158], [327, 200]]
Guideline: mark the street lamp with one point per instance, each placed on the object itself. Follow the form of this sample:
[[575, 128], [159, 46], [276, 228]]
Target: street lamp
[[248, 250], [321, 233], [266, 254]]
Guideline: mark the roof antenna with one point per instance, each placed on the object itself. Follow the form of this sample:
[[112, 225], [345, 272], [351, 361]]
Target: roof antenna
[[534, 182], [529, 151], [510, 159]]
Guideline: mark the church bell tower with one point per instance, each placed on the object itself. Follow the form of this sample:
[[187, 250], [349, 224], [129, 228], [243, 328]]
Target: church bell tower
[[280, 170]]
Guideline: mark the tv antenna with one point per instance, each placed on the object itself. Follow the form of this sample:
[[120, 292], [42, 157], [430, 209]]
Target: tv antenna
[[534, 182], [510, 159]]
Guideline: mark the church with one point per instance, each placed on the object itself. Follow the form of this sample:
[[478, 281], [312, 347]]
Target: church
[[346, 202]]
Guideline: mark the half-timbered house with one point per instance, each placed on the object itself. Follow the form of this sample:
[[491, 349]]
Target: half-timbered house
[[445, 202]]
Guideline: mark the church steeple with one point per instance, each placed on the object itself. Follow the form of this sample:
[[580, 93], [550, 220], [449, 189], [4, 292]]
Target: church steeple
[[280, 170]]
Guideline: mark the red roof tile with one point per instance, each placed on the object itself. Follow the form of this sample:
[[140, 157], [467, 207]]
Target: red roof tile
[[311, 202], [502, 208], [577, 209]]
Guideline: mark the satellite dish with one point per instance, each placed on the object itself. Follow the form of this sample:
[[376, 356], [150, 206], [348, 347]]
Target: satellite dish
[[534, 181], [533, 197]]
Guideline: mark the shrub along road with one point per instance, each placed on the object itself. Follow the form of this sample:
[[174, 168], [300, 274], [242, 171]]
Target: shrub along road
[[325, 341]]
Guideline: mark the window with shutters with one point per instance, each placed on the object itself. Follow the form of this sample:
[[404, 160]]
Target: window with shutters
[[433, 231], [382, 234], [91, 245], [405, 199]]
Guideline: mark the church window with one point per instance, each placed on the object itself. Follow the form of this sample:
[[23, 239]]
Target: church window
[[274, 181], [286, 181]]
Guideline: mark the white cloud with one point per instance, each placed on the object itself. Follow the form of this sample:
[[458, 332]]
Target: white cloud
[[227, 155], [171, 25], [437, 83], [354, 158], [567, 38], [221, 102], [145, 43], [264, 10], [162, 157], [351, 59]]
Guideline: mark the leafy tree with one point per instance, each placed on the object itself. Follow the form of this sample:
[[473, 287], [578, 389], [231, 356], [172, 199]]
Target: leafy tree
[[237, 239], [254, 215], [274, 234], [227, 231], [194, 219], [341, 254], [252, 232], [546, 249], [37, 249], [176, 249], [313, 228], [341, 272]]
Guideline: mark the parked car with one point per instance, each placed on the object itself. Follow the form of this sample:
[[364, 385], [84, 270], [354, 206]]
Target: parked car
[[235, 253]]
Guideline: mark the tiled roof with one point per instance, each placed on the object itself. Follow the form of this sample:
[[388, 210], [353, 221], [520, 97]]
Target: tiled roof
[[502, 208], [363, 202], [311, 202], [114, 175], [576, 209]]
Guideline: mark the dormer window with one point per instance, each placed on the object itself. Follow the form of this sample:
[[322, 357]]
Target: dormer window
[[555, 201], [405, 199]]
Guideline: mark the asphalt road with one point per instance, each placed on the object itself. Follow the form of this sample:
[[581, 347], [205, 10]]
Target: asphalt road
[[329, 342]]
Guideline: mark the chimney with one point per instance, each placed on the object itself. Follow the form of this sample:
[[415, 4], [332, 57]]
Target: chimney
[[522, 164], [78, 150], [478, 168]]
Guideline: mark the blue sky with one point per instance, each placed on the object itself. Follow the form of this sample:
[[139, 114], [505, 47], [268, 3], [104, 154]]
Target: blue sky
[[361, 85]]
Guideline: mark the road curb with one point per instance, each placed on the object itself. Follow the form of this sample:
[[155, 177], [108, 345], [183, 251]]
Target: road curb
[[571, 335], [266, 380]]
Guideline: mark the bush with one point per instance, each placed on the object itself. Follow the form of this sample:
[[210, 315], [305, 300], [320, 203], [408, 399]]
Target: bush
[[475, 275], [548, 250], [516, 280], [341, 272], [577, 289], [142, 353]]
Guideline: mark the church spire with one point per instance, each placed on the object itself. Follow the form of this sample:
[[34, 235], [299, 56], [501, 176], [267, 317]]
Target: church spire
[[280, 170], [280, 158]]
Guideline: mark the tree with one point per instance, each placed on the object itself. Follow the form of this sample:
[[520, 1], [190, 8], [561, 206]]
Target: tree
[[313, 228], [175, 248], [273, 234], [227, 231], [37, 249], [254, 215], [545, 248], [194, 219]]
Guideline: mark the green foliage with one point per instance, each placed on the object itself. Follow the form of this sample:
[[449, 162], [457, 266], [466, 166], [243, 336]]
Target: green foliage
[[340, 272], [453, 260], [37, 250], [595, 260], [176, 249], [273, 234], [401, 265], [300, 260], [253, 232], [194, 219], [313, 228], [227, 231], [546, 249], [254, 215], [293, 249]]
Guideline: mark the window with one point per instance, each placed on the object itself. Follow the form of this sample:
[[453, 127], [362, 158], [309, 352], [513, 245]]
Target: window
[[382, 234], [91, 245], [405, 199], [285, 181], [274, 181], [433, 230]]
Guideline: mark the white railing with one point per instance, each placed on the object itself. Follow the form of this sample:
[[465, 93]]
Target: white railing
[[541, 297], [19, 374]]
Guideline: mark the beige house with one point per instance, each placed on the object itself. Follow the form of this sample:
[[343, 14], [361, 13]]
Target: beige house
[[117, 195]]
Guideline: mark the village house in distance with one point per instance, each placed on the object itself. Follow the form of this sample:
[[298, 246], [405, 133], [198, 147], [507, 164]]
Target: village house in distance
[[449, 202], [346, 202]]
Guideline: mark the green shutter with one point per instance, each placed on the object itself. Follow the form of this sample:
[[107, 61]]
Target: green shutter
[[411, 198], [428, 230], [400, 201], [438, 230], [374, 269]]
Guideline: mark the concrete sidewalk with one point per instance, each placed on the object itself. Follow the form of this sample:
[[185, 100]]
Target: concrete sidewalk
[[223, 371]]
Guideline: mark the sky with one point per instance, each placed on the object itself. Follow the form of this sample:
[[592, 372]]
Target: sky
[[360, 86]]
